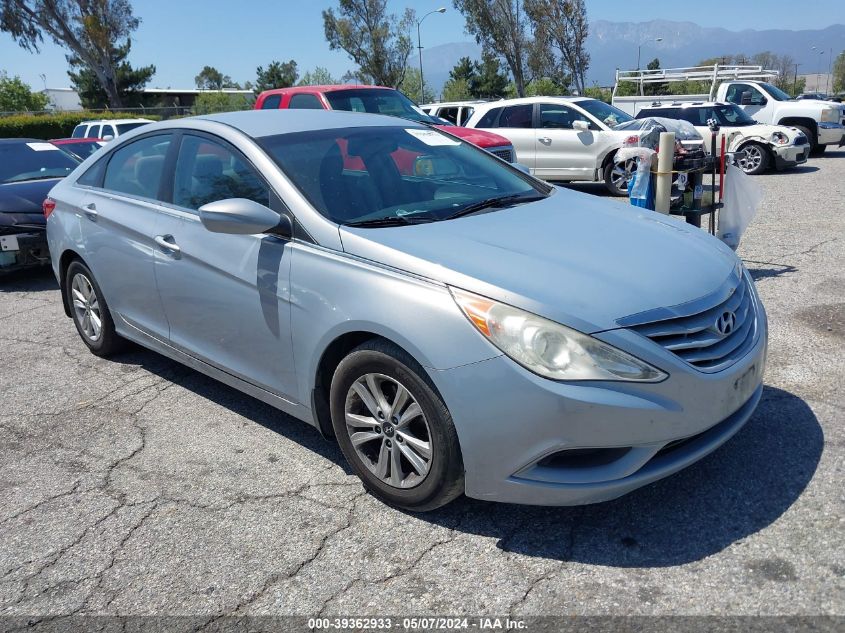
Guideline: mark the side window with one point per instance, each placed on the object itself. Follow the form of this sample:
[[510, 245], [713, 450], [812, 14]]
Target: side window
[[744, 94], [93, 132], [491, 118], [450, 114], [207, 171], [108, 129], [518, 116], [465, 115], [79, 131], [271, 102], [93, 176], [560, 117], [305, 102], [136, 168]]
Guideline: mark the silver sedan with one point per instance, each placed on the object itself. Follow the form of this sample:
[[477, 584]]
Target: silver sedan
[[457, 325]]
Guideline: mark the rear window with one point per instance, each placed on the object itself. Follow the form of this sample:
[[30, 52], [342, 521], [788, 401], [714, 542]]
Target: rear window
[[93, 132], [518, 116], [271, 102], [123, 128], [377, 101], [305, 102], [79, 131], [490, 119], [137, 168]]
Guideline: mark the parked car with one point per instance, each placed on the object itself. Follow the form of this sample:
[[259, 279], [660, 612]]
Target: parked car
[[80, 148], [375, 100], [107, 129], [822, 122], [564, 139], [460, 328], [28, 170], [760, 145], [456, 112]]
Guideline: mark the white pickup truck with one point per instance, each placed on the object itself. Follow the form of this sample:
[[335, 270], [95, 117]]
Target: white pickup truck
[[823, 122]]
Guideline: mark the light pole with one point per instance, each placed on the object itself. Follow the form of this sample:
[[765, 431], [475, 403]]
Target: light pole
[[795, 82], [419, 46], [639, 48], [819, 74]]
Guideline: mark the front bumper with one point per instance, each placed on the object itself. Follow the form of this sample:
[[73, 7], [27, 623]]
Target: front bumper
[[19, 251], [790, 155], [831, 134], [513, 425]]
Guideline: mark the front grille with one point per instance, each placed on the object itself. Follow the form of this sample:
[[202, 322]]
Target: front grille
[[712, 338], [504, 154]]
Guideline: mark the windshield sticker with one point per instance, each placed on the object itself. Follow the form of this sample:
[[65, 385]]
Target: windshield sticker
[[42, 147], [432, 138]]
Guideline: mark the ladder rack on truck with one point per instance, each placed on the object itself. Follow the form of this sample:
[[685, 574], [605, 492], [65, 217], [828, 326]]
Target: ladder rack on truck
[[714, 74]]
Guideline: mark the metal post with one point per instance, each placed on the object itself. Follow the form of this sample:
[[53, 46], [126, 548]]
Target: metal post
[[420, 47]]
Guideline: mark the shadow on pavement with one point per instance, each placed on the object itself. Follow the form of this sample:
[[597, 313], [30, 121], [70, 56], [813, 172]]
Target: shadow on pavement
[[740, 489], [32, 280], [766, 270]]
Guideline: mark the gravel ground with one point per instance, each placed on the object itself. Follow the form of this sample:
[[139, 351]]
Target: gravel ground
[[137, 486]]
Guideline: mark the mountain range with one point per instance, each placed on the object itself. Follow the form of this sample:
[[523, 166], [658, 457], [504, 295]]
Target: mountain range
[[614, 45]]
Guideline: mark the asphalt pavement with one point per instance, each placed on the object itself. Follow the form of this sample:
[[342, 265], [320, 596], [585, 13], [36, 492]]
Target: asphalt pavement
[[136, 486]]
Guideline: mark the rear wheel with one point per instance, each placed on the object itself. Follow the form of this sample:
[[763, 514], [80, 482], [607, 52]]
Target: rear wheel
[[394, 429], [753, 159], [90, 312]]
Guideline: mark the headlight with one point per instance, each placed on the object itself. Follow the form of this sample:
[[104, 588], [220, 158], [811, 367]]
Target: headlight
[[830, 115], [548, 348], [779, 138]]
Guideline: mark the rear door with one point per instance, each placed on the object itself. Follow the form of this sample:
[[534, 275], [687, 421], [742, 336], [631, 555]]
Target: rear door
[[516, 123], [117, 226], [227, 297]]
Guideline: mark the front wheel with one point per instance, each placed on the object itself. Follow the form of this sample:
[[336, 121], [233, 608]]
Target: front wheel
[[394, 429], [755, 159], [618, 175], [818, 150], [811, 138]]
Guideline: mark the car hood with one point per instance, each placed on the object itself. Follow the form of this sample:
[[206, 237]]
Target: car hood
[[572, 257], [25, 196], [476, 137]]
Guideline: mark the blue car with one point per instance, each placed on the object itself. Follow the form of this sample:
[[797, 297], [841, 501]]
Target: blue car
[[457, 325]]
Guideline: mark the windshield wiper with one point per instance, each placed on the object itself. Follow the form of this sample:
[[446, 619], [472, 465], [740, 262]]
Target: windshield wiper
[[491, 203], [390, 220]]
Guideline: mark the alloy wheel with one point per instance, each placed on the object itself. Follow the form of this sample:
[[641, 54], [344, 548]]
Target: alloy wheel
[[388, 430], [86, 307], [622, 173], [752, 159]]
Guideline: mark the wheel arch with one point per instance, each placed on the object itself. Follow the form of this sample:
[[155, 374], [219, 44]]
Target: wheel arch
[[65, 260], [809, 123]]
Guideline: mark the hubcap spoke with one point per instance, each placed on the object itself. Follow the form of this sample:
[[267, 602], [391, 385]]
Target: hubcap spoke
[[96, 324], [361, 421], [366, 397], [377, 393], [417, 462], [381, 466], [362, 437], [411, 412], [399, 401], [396, 475], [420, 446]]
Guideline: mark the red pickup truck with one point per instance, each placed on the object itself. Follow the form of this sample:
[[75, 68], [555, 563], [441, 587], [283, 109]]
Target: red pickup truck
[[376, 100]]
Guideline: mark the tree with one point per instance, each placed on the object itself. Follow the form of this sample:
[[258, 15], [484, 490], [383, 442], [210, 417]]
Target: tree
[[491, 82], [318, 77], [563, 24], [16, 96], [456, 90], [656, 88], [87, 28], [377, 41], [500, 26], [839, 73], [411, 87], [277, 75], [211, 102], [129, 81], [212, 79]]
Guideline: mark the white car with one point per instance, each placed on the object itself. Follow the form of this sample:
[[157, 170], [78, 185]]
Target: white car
[[107, 129], [456, 112], [760, 145], [563, 139]]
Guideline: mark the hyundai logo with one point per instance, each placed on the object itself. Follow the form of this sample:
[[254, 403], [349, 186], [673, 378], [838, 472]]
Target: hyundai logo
[[726, 323]]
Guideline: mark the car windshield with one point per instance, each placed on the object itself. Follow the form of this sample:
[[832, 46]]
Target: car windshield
[[732, 115], [604, 112], [378, 101], [776, 93], [35, 160], [379, 176], [82, 150]]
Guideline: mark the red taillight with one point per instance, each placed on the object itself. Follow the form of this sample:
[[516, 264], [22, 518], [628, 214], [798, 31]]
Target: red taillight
[[48, 206]]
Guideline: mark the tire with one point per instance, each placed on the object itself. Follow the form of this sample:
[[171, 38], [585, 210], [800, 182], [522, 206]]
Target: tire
[[85, 299], [756, 159], [814, 146], [419, 483], [617, 176], [818, 150]]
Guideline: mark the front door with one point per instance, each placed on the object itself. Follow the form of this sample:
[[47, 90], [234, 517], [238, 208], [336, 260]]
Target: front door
[[563, 152], [227, 297]]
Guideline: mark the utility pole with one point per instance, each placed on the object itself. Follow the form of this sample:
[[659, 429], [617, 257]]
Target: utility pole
[[795, 81], [420, 47]]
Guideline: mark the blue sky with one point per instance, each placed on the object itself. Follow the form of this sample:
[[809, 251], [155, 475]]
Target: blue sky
[[181, 36]]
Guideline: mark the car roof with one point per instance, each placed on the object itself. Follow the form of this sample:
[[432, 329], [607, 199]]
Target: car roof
[[100, 121], [453, 104], [258, 123], [683, 104], [503, 103], [322, 88], [74, 139], [13, 141]]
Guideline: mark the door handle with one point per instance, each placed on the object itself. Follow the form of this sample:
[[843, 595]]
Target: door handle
[[91, 211], [545, 140], [164, 241]]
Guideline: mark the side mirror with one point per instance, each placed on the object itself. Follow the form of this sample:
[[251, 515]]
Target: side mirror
[[524, 169], [581, 126], [108, 137], [763, 101], [239, 216]]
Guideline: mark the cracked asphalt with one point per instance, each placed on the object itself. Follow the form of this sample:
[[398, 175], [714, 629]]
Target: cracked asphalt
[[136, 486]]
